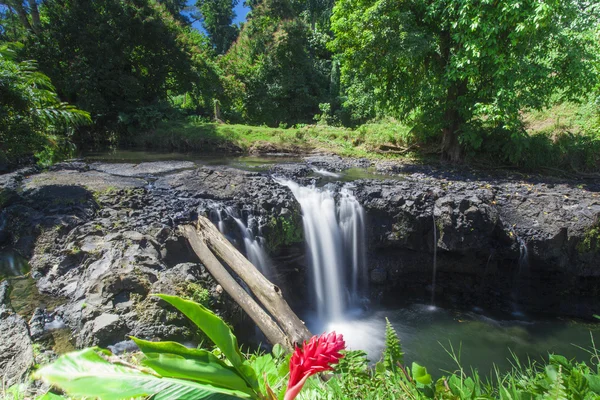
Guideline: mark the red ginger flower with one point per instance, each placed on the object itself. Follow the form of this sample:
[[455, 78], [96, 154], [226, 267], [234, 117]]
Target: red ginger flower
[[319, 354]]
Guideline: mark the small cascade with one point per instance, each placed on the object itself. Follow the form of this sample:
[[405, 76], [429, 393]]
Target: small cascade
[[253, 243], [520, 280], [435, 240], [523, 254], [335, 242], [352, 225]]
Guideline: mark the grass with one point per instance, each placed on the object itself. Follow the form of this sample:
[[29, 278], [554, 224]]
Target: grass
[[374, 140], [564, 138]]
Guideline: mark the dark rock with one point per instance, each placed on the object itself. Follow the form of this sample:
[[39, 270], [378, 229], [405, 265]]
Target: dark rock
[[378, 275]]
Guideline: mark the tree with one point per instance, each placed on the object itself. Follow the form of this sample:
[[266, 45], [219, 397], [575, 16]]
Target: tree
[[276, 60], [114, 57], [459, 65], [32, 117], [217, 17], [27, 12]]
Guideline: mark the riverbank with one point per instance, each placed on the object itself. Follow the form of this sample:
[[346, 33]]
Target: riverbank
[[563, 140]]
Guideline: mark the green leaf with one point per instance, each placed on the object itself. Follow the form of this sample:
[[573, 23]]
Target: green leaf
[[420, 374], [218, 332], [173, 360], [560, 360], [593, 382], [278, 351], [50, 396], [85, 374]]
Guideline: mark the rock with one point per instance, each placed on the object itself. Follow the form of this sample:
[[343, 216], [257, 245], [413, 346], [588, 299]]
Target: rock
[[143, 169], [378, 275], [16, 349], [104, 330], [36, 324]]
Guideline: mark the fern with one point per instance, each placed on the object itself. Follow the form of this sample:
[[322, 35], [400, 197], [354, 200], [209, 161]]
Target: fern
[[557, 390], [392, 355]]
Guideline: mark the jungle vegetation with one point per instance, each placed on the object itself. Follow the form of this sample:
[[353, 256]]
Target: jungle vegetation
[[512, 82]]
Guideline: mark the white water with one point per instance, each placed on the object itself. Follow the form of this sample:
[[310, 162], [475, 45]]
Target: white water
[[335, 242], [435, 244], [253, 243], [324, 172], [352, 224]]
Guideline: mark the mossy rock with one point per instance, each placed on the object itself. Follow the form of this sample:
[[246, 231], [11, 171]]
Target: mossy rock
[[591, 240], [284, 230]]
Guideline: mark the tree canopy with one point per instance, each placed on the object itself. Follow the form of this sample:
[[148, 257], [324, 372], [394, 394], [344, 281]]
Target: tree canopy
[[458, 65], [460, 74]]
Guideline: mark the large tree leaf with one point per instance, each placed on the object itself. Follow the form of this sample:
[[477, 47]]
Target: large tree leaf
[[85, 374], [173, 360], [218, 332]]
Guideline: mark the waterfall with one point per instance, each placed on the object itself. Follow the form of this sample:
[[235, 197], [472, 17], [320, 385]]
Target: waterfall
[[435, 245], [253, 243], [335, 243], [352, 225]]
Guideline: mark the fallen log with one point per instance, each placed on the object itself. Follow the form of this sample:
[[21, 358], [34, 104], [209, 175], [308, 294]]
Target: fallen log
[[264, 322], [267, 293]]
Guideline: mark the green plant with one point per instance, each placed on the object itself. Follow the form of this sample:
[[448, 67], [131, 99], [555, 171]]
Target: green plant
[[169, 370], [392, 355], [33, 119]]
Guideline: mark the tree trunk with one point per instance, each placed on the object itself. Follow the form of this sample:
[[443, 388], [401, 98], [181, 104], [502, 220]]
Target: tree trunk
[[264, 322], [453, 121], [266, 292]]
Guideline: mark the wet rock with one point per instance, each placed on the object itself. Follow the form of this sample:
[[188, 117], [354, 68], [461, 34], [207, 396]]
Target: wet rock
[[143, 169]]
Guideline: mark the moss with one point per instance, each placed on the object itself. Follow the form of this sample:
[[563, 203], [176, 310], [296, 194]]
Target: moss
[[284, 231], [196, 293], [591, 240]]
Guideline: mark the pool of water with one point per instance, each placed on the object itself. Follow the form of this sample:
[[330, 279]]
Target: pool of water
[[12, 264], [479, 341], [247, 163]]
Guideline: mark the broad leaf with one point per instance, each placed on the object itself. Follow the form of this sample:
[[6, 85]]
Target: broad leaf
[[173, 360], [420, 374], [85, 374], [218, 332]]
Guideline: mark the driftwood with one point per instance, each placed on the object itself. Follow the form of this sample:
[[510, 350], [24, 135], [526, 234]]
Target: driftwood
[[209, 244]]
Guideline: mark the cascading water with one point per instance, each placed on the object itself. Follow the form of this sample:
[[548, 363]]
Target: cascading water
[[352, 224], [253, 243], [435, 244], [335, 243]]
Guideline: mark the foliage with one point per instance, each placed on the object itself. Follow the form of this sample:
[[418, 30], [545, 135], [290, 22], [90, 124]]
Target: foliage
[[456, 66], [591, 240], [119, 60], [217, 17], [392, 354], [277, 61], [170, 370], [32, 117]]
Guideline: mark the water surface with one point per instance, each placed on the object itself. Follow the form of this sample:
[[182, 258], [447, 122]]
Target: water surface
[[480, 341]]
